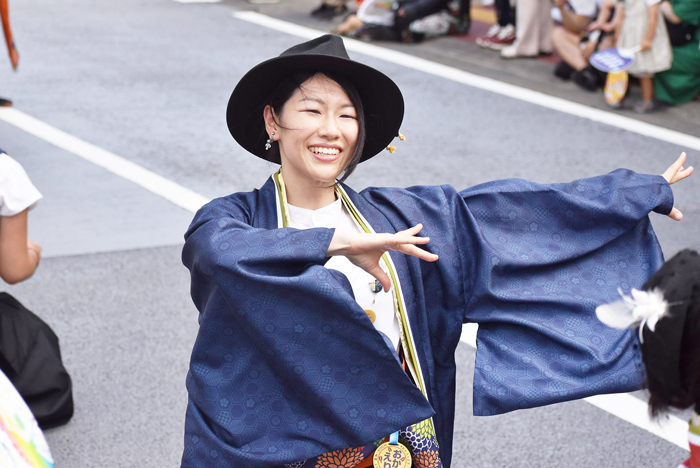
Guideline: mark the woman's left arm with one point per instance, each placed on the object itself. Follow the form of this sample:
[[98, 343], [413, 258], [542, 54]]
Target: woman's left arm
[[541, 258], [675, 173]]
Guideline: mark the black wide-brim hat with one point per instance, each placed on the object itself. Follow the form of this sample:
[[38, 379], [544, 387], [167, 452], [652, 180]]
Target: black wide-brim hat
[[381, 98]]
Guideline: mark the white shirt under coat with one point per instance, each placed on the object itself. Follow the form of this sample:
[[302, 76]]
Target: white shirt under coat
[[336, 216]]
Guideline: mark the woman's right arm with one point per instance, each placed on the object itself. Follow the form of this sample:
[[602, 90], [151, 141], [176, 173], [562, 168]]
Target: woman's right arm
[[365, 250], [19, 256]]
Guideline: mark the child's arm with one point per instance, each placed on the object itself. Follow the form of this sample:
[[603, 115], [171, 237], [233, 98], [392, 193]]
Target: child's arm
[[651, 29], [602, 20], [618, 20], [667, 10]]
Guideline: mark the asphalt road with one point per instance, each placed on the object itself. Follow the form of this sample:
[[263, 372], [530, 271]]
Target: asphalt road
[[149, 81]]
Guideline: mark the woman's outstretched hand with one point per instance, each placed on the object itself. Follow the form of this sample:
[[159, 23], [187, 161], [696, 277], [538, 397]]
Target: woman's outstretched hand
[[672, 175], [365, 250]]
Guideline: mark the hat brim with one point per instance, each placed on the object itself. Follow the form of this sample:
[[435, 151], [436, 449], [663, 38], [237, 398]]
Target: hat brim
[[381, 99]]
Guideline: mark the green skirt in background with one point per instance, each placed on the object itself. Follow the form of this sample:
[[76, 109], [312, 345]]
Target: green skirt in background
[[681, 83]]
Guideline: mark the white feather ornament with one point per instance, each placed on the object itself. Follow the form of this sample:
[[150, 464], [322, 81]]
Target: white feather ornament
[[641, 307]]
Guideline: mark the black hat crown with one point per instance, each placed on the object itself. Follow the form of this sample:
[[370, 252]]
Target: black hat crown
[[328, 44]]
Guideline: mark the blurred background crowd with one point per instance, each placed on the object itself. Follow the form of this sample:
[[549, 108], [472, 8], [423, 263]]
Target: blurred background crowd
[[666, 65]]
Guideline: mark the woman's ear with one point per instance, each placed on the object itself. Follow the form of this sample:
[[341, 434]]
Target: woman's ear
[[269, 116]]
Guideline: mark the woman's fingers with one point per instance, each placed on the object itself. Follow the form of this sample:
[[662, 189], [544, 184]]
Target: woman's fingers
[[673, 174], [380, 275], [418, 252], [412, 231], [682, 174], [676, 171], [675, 214]]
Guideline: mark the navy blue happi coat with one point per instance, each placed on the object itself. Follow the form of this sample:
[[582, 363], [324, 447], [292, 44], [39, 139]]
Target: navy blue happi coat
[[287, 365]]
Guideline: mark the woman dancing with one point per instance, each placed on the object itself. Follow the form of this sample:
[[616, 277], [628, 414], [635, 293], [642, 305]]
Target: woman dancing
[[329, 318]]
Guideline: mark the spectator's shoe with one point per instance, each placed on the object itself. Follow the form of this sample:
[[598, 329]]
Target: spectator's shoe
[[587, 79], [328, 12], [5, 102], [563, 70], [644, 107], [485, 41], [511, 52], [504, 38]]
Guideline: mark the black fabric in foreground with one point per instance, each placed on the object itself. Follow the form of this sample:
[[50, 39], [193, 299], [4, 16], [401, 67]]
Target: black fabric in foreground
[[31, 358]]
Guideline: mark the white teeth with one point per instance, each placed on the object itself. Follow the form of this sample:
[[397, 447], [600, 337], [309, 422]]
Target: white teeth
[[322, 150]]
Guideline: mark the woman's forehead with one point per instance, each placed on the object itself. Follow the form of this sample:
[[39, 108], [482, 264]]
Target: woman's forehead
[[322, 89]]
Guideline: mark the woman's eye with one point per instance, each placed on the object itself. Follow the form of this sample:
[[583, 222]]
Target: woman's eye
[[348, 117], [312, 111]]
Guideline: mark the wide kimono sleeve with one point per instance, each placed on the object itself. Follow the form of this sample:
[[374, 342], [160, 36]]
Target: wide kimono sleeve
[[543, 257], [286, 365]]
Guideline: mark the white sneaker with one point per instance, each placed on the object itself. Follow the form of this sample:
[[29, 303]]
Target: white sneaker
[[507, 32], [510, 52], [492, 33]]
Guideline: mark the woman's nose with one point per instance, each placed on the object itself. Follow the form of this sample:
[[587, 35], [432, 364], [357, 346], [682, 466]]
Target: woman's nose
[[329, 128]]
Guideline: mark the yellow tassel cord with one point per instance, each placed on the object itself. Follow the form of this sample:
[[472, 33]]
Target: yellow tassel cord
[[401, 137], [391, 149]]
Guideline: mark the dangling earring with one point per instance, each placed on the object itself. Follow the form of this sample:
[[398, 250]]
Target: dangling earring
[[268, 143]]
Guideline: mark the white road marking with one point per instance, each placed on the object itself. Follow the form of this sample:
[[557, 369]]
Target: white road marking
[[171, 191], [683, 140], [624, 406]]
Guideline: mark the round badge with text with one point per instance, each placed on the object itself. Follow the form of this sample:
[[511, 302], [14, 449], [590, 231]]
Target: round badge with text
[[392, 456]]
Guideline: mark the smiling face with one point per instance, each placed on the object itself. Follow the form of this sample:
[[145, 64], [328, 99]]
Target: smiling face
[[317, 131]]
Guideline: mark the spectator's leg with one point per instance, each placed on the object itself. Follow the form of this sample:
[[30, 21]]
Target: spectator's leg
[[646, 104], [329, 8], [527, 30], [568, 46], [606, 42], [410, 12], [352, 23], [504, 13], [545, 24], [465, 16]]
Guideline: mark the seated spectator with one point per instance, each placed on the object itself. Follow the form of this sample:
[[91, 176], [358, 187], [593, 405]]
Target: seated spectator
[[575, 45], [501, 34], [681, 83], [19, 256], [330, 9], [389, 19], [533, 30]]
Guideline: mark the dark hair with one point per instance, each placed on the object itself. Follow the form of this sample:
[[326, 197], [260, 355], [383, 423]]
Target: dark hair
[[286, 88], [689, 366]]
